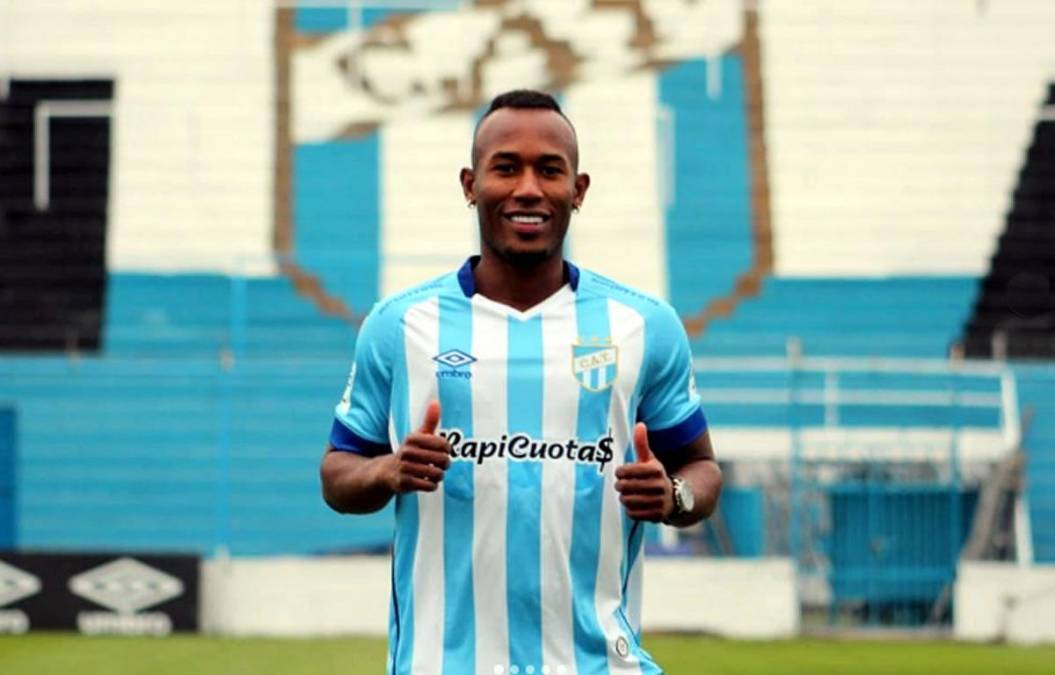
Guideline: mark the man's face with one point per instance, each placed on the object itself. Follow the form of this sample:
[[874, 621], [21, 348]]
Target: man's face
[[524, 183]]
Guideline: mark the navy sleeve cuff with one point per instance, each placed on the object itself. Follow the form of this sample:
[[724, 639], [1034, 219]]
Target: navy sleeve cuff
[[343, 438], [678, 436]]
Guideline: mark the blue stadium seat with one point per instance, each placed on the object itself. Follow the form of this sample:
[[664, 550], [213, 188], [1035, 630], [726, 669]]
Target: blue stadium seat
[[896, 317]]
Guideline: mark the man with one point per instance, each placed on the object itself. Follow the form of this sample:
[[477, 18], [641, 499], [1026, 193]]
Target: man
[[498, 405]]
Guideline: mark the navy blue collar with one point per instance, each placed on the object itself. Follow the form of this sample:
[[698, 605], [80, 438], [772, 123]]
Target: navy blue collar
[[468, 282]]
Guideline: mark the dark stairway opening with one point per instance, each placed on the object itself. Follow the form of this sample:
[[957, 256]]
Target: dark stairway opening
[[54, 186], [1014, 315]]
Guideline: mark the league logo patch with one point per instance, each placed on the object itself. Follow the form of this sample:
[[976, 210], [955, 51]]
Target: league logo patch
[[595, 363]]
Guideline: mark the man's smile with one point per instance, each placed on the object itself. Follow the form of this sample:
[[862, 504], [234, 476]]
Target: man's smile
[[527, 222]]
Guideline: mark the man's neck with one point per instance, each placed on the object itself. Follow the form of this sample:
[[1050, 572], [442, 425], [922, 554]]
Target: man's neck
[[518, 287]]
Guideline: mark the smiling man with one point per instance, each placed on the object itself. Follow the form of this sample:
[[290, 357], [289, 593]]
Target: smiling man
[[528, 416]]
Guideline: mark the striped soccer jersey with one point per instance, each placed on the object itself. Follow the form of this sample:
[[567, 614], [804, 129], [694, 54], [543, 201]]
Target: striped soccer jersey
[[524, 561]]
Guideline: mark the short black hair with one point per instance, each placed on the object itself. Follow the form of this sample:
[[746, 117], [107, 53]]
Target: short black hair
[[524, 99]]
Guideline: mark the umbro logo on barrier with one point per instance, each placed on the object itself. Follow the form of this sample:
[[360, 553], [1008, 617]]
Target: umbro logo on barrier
[[15, 585], [97, 593], [455, 361], [126, 586]]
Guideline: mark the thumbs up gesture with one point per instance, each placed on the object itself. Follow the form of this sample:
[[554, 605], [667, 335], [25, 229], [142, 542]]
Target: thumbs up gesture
[[645, 490], [419, 463]]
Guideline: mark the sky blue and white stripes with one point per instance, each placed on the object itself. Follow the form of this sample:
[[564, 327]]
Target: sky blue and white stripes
[[526, 562]]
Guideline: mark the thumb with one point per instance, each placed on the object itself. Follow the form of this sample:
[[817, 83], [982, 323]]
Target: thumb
[[432, 417], [644, 452]]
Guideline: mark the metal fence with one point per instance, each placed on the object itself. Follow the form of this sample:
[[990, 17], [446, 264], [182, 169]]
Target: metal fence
[[866, 472]]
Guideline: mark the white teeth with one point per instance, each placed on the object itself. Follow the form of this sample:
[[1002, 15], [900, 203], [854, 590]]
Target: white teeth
[[530, 220]]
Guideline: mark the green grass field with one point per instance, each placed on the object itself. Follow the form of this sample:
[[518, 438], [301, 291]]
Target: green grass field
[[75, 655]]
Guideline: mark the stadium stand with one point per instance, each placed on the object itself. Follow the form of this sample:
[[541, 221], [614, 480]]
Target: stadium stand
[[224, 459], [8, 482], [150, 316], [189, 407], [894, 317], [896, 131]]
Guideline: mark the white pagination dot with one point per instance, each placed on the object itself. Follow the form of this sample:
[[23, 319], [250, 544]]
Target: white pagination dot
[[561, 670], [545, 670], [498, 670], [514, 669], [530, 670]]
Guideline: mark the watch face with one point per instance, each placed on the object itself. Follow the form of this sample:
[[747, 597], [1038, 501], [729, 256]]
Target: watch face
[[684, 497]]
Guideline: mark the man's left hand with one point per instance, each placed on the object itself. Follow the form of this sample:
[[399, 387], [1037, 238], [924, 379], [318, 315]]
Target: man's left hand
[[645, 490]]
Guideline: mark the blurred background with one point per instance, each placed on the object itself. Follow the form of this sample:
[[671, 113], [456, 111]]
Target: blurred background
[[850, 203]]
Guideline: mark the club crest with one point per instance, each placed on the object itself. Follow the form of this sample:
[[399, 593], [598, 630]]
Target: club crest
[[595, 363]]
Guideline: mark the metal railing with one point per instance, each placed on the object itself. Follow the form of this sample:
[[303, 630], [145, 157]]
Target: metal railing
[[874, 488]]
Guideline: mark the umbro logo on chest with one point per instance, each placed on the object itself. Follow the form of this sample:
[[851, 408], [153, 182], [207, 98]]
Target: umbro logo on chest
[[454, 363]]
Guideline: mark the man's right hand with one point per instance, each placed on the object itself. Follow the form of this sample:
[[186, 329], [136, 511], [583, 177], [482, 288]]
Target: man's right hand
[[419, 463]]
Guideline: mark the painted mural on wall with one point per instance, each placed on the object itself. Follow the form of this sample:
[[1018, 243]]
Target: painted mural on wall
[[382, 107]]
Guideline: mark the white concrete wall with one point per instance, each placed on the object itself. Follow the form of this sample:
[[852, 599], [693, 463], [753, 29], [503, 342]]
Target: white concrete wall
[[734, 597], [336, 596], [193, 126], [895, 129], [1003, 601], [295, 596]]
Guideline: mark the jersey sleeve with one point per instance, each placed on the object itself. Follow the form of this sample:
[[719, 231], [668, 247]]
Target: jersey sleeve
[[670, 406], [361, 416]]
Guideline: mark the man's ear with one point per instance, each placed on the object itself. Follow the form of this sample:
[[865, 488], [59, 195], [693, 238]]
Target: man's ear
[[468, 179], [582, 184]]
